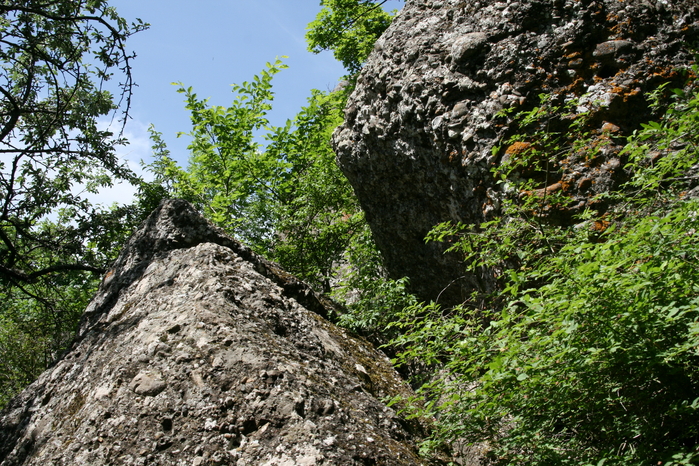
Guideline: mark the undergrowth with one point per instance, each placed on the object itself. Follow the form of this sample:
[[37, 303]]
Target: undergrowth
[[588, 351]]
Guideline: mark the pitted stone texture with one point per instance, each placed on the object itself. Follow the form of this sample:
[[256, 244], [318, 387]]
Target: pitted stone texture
[[198, 358], [417, 144]]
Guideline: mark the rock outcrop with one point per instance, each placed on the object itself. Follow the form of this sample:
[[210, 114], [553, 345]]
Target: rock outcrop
[[196, 351], [420, 129]]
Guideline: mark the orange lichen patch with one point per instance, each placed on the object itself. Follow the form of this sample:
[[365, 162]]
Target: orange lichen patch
[[621, 28], [576, 86], [576, 63], [551, 188], [631, 93], [584, 183], [667, 73], [626, 91], [108, 276], [518, 148], [608, 127], [600, 225], [543, 191], [566, 185]]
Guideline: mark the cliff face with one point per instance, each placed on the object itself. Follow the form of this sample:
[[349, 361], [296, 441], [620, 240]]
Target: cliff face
[[417, 144], [195, 351]]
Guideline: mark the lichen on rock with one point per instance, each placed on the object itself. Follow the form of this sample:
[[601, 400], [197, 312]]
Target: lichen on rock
[[417, 143], [197, 351]]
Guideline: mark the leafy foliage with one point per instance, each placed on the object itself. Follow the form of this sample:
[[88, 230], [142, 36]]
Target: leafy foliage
[[56, 60], [319, 215], [373, 300], [588, 352], [229, 178], [286, 199], [349, 28]]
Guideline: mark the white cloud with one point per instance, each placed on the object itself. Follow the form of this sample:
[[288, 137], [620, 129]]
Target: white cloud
[[138, 149]]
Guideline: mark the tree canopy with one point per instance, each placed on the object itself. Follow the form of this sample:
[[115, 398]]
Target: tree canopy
[[349, 28], [58, 59]]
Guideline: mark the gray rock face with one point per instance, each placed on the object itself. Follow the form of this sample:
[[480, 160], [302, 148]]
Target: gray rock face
[[418, 140], [197, 352]]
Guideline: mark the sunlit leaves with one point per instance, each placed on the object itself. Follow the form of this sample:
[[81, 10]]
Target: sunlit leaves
[[588, 352], [349, 28], [278, 189]]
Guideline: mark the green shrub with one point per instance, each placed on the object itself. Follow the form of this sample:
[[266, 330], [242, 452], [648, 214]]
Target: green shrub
[[588, 353]]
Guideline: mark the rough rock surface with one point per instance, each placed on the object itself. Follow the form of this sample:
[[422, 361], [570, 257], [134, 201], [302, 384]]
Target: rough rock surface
[[417, 144], [197, 352]]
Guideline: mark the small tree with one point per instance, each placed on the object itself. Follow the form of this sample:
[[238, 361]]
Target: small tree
[[57, 58], [287, 199], [349, 28]]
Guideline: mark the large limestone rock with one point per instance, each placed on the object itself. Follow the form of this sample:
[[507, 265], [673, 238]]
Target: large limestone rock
[[420, 128], [197, 352]]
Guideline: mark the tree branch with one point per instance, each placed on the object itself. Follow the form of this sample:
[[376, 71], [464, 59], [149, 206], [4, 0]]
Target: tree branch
[[19, 276]]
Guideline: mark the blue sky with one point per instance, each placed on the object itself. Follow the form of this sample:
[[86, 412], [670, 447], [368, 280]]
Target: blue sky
[[211, 44]]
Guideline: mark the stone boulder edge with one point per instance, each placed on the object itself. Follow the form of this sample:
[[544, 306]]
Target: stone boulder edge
[[417, 143], [196, 351]]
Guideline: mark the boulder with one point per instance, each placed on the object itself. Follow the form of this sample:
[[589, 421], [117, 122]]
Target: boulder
[[421, 125], [196, 351]]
